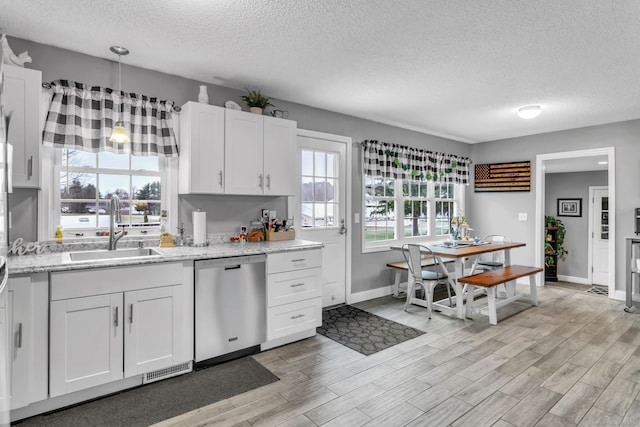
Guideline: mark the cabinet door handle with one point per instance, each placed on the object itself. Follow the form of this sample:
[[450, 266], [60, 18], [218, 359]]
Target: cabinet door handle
[[297, 316], [131, 313], [19, 337], [220, 182], [260, 181], [30, 167], [269, 181], [295, 285], [115, 317]]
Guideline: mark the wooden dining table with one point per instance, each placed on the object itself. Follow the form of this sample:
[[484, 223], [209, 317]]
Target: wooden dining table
[[460, 251]]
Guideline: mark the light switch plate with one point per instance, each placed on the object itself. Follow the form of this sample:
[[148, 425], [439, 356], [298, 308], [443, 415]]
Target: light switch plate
[[356, 218], [522, 216]]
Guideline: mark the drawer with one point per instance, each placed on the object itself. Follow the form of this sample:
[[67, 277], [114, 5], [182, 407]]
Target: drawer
[[292, 318], [296, 260], [293, 286]]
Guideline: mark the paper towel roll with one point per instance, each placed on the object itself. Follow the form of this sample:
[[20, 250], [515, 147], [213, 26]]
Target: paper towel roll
[[199, 228]]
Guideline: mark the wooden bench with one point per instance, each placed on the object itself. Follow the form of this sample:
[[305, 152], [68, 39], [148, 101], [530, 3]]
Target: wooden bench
[[491, 279], [401, 266]]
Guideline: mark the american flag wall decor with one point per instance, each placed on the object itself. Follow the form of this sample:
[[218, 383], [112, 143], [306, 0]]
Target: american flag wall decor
[[494, 177]]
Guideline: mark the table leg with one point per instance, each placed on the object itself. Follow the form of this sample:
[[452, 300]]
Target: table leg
[[509, 286], [396, 284], [470, 297], [460, 288]]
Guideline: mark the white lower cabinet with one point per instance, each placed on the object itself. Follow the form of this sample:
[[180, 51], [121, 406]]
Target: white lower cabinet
[[98, 339], [27, 304], [294, 294]]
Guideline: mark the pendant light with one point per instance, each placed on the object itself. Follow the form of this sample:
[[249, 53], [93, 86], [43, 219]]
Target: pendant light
[[119, 133]]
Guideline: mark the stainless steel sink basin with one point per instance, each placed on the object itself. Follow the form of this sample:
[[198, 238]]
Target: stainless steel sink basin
[[104, 255]]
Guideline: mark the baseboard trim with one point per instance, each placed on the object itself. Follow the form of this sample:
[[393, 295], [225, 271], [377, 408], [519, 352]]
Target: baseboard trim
[[572, 279], [370, 294]]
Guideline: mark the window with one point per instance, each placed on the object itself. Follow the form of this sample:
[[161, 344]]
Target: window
[[425, 213], [86, 181], [320, 179]]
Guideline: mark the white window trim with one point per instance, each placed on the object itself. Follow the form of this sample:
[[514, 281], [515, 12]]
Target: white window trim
[[385, 245], [49, 198]]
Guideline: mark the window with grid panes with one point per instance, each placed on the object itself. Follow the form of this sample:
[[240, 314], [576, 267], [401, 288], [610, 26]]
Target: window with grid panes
[[319, 189], [427, 209], [88, 180]]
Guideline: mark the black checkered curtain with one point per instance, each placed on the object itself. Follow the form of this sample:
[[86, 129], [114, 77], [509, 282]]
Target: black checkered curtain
[[81, 117], [402, 162]]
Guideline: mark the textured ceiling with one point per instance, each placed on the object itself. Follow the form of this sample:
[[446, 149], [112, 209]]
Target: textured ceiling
[[454, 68]]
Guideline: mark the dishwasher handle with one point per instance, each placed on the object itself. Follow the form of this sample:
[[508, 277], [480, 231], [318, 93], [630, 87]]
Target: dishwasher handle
[[232, 267]]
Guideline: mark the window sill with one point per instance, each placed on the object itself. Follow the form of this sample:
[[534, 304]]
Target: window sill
[[386, 246]]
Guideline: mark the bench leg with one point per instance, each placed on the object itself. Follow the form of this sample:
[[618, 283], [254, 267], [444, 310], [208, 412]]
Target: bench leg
[[533, 289], [491, 297]]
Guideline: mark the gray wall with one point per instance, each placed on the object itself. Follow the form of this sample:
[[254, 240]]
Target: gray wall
[[573, 185], [504, 208], [227, 213]]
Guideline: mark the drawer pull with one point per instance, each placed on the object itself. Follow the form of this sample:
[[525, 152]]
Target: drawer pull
[[297, 316], [299, 260], [295, 285]]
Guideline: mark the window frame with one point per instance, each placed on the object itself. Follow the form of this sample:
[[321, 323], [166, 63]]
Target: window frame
[[50, 199], [398, 198]]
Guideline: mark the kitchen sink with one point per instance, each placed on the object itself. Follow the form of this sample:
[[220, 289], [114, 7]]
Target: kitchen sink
[[105, 255]]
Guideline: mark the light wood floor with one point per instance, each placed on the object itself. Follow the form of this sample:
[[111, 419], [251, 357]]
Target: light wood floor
[[574, 360]]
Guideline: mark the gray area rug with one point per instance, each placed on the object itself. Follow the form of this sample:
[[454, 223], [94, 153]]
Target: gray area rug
[[165, 399], [362, 331]]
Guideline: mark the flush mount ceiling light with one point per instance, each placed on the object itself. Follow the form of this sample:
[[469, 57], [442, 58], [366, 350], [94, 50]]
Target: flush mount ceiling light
[[119, 133], [529, 111]]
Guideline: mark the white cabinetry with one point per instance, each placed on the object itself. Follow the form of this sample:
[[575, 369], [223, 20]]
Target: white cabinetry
[[22, 88], [258, 154], [201, 160], [27, 305], [104, 328], [294, 295]]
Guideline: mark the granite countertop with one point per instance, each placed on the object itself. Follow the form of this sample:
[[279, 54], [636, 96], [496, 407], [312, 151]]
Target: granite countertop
[[59, 261]]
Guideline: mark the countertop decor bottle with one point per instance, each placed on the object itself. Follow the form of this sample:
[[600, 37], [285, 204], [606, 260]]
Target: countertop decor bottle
[[58, 234]]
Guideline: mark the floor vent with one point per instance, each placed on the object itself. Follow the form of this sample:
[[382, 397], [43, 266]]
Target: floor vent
[[599, 290], [163, 373]]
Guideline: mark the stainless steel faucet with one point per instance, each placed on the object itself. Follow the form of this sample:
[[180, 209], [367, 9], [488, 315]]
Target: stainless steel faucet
[[114, 216]]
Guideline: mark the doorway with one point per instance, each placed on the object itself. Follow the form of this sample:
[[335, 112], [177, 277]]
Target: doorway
[[599, 235], [322, 207], [570, 157]]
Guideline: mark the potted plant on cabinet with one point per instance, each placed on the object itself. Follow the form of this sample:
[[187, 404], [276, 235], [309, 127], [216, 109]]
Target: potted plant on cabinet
[[256, 101]]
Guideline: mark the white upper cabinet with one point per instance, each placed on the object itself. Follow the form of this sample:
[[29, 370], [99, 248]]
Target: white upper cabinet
[[243, 153], [279, 149], [258, 154], [201, 149], [22, 88], [224, 151]]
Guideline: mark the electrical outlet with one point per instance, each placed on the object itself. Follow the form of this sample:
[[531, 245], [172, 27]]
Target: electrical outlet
[[265, 213], [522, 216]]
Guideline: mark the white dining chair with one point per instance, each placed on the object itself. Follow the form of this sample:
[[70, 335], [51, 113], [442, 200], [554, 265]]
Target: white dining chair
[[493, 260], [427, 279]]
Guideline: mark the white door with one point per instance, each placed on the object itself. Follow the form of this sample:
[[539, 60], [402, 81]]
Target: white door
[[150, 330], [600, 235], [321, 208], [86, 343]]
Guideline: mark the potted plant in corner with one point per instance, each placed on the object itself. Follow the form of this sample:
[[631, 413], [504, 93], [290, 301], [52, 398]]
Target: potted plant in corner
[[256, 101], [555, 222]]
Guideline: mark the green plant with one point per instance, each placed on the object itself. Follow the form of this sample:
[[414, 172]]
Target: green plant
[[254, 98], [548, 249], [549, 261], [561, 251]]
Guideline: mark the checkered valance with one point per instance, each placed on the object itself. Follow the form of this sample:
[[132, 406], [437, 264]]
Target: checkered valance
[[402, 162], [82, 116]]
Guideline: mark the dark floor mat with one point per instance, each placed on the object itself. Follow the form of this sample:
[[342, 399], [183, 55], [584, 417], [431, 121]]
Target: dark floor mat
[[598, 290], [165, 399], [362, 331]]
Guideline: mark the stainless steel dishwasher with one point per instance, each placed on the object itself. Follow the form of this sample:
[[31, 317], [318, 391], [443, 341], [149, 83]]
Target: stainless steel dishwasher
[[230, 307]]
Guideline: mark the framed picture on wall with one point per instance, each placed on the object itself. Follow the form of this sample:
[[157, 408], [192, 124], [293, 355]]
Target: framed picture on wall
[[570, 207]]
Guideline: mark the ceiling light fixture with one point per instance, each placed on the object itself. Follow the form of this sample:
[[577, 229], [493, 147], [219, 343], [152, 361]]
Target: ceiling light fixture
[[603, 162], [119, 133], [529, 111]]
